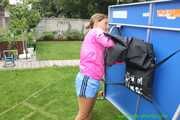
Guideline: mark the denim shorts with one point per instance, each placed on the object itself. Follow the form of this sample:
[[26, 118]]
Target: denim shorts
[[86, 86]]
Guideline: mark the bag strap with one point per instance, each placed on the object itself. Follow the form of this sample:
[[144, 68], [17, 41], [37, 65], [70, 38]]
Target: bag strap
[[160, 63], [156, 106], [167, 58]]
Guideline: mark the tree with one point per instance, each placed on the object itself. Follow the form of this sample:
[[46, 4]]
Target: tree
[[4, 3], [23, 18], [48, 8], [76, 8]]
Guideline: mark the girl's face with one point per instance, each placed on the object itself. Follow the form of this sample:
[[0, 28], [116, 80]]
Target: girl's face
[[103, 24]]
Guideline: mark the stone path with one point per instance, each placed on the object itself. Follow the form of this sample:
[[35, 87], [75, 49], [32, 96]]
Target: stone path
[[28, 64]]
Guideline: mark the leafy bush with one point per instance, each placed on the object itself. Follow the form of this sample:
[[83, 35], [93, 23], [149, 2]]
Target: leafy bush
[[47, 36], [69, 35], [73, 35], [31, 39], [4, 36]]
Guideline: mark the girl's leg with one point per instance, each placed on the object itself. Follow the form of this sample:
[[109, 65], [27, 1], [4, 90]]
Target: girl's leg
[[86, 90], [85, 108]]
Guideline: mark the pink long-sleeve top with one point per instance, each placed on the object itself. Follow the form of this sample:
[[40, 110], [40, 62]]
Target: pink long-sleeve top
[[92, 53]]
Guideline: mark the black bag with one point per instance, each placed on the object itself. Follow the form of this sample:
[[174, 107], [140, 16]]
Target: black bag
[[118, 52], [140, 63], [117, 39], [140, 54]]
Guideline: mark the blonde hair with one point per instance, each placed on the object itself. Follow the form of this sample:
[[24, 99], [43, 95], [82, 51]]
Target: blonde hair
[[96, 17]]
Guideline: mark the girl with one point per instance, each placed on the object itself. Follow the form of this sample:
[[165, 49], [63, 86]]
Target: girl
[[91, 64]]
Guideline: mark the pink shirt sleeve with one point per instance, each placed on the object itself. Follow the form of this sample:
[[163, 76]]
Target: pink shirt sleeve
[[104, 40]]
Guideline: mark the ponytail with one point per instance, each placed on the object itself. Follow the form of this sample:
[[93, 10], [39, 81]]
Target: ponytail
[[96, 17]]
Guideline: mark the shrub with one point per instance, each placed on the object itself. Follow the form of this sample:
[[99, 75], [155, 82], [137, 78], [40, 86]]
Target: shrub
[[31, 39], [47, 36], [69, 35], [73, 35]]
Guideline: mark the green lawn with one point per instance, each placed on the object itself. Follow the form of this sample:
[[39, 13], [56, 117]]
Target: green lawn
[[45, 94], [63, 50]]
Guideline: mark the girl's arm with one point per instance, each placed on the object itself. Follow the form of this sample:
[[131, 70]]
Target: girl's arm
[[104, 40]]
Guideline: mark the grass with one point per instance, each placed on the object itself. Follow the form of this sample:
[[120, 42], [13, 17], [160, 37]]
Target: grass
[[62, 50], [57, 101]]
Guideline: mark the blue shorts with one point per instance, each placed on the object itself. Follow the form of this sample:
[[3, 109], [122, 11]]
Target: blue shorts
[[86, 86]]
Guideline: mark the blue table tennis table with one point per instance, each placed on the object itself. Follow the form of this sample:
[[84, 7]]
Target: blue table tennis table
[[157, 22]]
